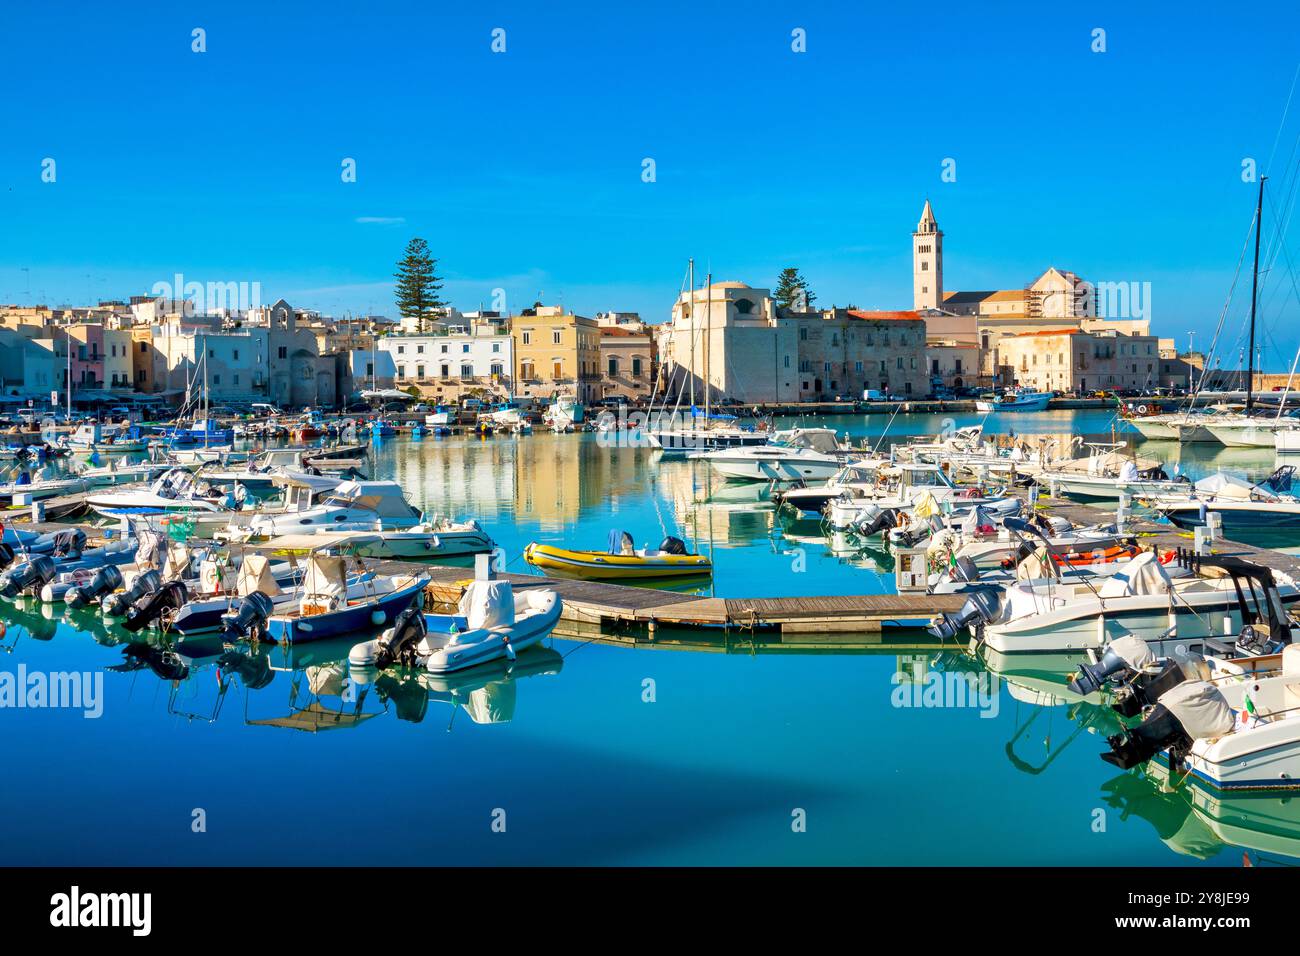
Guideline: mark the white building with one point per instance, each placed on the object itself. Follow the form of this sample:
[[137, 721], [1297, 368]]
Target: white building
[[444, 366]]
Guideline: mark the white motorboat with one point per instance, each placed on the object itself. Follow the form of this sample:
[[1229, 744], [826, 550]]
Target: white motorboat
[[1251, 432], [1157, 427], [351, 506], [38, 487], [564, 413], [174, 492], [857, 475], [1108, 475], [492, 622], [1244, 508], [94, 438], [796, 454], [900, 488], [440, 538], [122, 473], [258, 473], [1140, 599], [680, 442], [1287, 442]]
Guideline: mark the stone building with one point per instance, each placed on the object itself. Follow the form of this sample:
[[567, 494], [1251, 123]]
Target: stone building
[[556, 351]]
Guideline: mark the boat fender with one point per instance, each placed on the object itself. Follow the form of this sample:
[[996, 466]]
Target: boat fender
[[363, 654], [378, 617]]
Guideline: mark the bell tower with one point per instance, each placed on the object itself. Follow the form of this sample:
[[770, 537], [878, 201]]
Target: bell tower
[[927, 262]]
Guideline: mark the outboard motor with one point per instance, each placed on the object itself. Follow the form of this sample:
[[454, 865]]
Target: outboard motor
[[248, 619], [6, 555], [673, 545], [169, 598], [1124, 657], [37, 571], [1190, 711], [146, 582], [981, 608], [399, 644], [104, 581], [882, 520]]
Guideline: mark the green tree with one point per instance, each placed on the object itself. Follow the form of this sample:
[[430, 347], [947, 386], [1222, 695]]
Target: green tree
[[792, 291], [418, 284]]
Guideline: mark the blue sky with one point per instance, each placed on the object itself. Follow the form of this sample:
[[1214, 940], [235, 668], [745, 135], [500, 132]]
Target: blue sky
[[523, 169]]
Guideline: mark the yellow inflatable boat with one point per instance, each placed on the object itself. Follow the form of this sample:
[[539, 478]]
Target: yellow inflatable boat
[[621, 561]]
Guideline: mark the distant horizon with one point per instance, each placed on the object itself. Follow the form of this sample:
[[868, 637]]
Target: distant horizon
[[525, 169]]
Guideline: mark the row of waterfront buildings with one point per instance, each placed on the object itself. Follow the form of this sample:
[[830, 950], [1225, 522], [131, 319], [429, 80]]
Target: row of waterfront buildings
[[728, 341]]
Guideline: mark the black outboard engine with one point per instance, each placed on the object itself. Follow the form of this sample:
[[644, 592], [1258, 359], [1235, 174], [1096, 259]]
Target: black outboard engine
[[981, 608], [883, 521], [34, 573], [398, 645], [254, 670], [1192, 710], [1125, 657], [115, 605], [104, 581], [6, 555], [1147, 688], [169, 598], [248, 619], [1160, 730], [673, 545]]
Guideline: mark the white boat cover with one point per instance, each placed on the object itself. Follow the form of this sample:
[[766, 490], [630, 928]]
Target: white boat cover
[[1035, 566], [1226, 486], [326, 576], [215, 576], [493, 704], [1133, 651], [488, 604], [177, 563], [1201, 708], [255, 575], [326, 680], [818, 439], [1143, 574]]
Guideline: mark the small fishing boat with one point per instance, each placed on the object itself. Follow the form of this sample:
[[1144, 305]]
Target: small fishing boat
[[622, 561], [1015, 400], [37, 487], [94, 438], [122, 473], [492, 622], [326, 607], [428, 540], [175, 491], [1244, 508], [347, 506], [1108, 474]]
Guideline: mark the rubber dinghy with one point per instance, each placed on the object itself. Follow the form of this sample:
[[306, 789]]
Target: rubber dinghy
[[622, 561], [492, 623]]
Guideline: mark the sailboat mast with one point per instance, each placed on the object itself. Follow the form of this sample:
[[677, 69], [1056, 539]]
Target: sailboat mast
[[691, 310], [708, 352], [1254, 292]]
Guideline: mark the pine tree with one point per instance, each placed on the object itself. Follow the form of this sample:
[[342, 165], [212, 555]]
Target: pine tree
[[417, 283], [792, 291]]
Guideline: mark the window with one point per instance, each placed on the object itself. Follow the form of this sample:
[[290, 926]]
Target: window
[[401, 349], [496, 347], [636, 366], [857, 366], [497, 370], [235, 356], [557, 368], [419, 371], [216, 380], [284, 352], [613, 367], [526, 337], [464, 348], [401, 371], [467, 371], [144, 347], [526, 370], [925, 267], [444, 371], [900, 361], [556, 336], [803, 335]]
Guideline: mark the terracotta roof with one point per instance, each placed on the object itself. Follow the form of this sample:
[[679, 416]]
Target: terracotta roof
[[901, 315], [615, 330], [1018, 335]]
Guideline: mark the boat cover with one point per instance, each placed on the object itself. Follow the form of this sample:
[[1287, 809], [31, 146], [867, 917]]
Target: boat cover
[[326, 576], [621, 542], [255, 575], [177, 563], [1143, 574], [1134, 651], [1201, 708], [493, 704], [487, 604], [1225, 486]]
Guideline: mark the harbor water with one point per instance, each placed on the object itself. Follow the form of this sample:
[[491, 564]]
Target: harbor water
[[701, 748]]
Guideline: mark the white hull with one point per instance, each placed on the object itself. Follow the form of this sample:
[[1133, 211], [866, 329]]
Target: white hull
[[1253, 435], [1155, 428], [1100, 486]]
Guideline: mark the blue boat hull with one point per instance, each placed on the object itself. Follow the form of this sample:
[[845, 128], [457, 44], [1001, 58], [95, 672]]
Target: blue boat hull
[[346, 620]]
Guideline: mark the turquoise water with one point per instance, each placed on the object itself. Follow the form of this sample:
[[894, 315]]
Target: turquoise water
[[697, 750]]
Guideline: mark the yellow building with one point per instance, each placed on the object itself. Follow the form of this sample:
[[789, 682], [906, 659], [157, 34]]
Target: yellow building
[[556, 351]]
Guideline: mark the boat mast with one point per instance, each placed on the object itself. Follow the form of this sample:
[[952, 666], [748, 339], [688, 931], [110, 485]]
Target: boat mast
[[1254, 292], [708, 352], [690, 308]]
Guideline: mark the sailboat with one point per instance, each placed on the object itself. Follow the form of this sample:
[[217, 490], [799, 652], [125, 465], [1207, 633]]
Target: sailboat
[[704, 431]]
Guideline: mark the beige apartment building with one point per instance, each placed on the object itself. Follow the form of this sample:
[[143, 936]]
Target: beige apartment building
[[556, 351], [627, 365], [1081, 362]]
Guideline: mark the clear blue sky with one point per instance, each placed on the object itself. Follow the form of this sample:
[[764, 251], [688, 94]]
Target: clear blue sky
[[523, 169]]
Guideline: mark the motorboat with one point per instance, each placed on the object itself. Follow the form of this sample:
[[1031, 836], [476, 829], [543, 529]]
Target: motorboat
[[258, 473], [796, 454], [702, 432], [1107, 475], [1015, 400], [348, 506], [327, 607], [176, 491], [1244, 508], [1140, 598], [492, 622], [1247, 431], [898, 489], [991, 544], [38, 486], [564, 413], [116, 472], [428, 540], [855, 475], [97, 439], [621, 561]]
